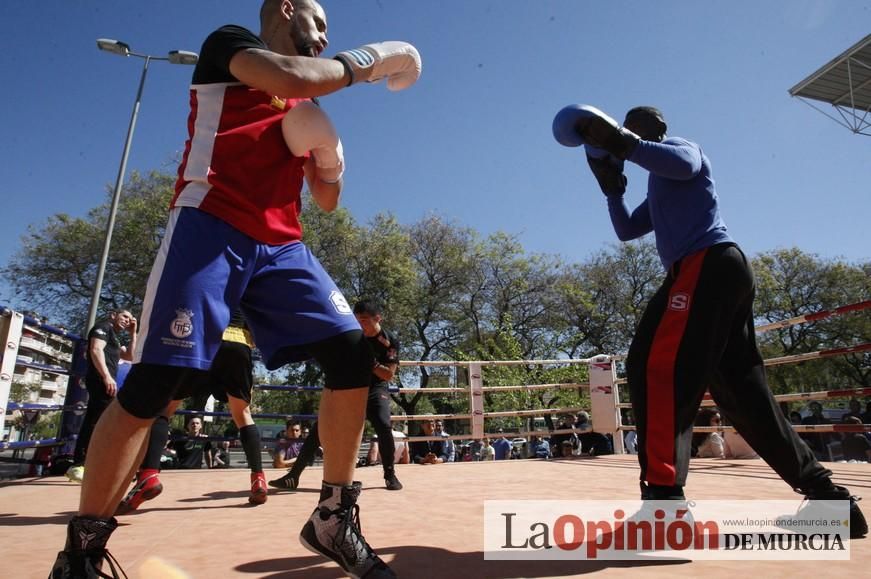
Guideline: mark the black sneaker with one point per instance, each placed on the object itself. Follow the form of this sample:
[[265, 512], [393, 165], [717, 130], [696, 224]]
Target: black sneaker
[[336, 534], [85, 551], [858, 524], [288, 482], [391, 482]]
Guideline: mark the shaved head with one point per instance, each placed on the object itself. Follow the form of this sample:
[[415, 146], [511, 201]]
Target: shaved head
[[270, 8], [293, 27]]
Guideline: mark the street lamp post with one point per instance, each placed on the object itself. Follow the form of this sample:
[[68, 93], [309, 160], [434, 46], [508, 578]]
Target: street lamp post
[[123, 49]]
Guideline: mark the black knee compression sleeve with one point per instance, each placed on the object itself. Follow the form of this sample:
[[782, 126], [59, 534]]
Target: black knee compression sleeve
[[250, 437], [346, 360], [156, 443]]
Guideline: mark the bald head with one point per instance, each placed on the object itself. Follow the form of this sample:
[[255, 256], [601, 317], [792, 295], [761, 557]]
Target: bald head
[[293, 27], [271, 8]]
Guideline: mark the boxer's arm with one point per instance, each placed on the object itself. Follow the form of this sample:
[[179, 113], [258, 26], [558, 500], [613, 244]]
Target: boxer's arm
[[325, 194], [308, 130], [288, 76], [626, 226], [675, 158]]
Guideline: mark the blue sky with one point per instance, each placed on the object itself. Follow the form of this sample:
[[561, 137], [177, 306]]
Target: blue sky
[[472, 140]]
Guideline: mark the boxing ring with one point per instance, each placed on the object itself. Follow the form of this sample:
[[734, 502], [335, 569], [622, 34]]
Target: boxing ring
[[434, 526]]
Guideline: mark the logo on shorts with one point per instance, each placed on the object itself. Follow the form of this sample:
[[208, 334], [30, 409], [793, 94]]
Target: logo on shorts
[[340, 303], [182, 326], [278, 103], [679, 302]]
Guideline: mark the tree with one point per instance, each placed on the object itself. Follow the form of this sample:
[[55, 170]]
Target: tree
[[57, 263], [601, 300], [514, 292], [791, 283]]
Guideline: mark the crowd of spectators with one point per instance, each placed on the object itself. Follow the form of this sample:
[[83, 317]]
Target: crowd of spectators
[[827, 446], [572, 435]]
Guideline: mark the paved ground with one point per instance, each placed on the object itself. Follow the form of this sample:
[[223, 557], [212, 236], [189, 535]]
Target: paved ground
[[433, 528]]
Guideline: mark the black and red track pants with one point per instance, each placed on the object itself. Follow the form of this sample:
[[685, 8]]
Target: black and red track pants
[[697, 334]]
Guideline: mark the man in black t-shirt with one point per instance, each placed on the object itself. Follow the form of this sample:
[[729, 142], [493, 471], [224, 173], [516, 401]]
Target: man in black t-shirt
[[385, 348], [193, 449], [104, 351]]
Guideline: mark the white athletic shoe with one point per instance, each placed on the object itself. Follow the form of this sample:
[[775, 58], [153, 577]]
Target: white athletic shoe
[[76, 474]]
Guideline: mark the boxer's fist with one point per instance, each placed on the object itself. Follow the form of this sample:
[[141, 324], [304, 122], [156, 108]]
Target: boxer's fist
[[608, 171], [306, 127], [398, 62], [577, 125]]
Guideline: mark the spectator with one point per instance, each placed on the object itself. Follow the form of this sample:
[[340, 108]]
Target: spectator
[[736, 447], [502, 447], [854, 444], [400, 452], [103, 354], [169, 457], [866, 416], [630, 442], [594, 443], [562, 444], [817, 441], [855, 409], [708, 444], [582, 422], [539, 448], [428, 451], [221, 455], [194, 448], [487, 451], [630, 438], [450, 449], [795, 417], [475, 448], [288, 447]]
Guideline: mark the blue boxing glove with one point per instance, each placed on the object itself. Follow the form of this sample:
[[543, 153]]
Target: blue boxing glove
[[577, 125], [608, 171]]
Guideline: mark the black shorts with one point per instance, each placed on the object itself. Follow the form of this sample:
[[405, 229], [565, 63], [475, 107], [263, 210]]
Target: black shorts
[[231, 374], [345, 358]]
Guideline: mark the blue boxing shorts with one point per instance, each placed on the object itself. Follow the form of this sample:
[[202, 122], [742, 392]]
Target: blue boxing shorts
[[206, 268]]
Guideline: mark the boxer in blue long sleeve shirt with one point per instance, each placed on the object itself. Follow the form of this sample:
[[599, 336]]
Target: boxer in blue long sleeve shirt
[[681, 205], [697, 331]]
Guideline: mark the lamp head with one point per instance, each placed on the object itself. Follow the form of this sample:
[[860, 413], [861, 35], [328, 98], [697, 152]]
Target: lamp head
[[183, 57], [113, 46]]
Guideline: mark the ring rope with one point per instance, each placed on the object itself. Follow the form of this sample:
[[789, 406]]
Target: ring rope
[[815, 316], [818, 354]]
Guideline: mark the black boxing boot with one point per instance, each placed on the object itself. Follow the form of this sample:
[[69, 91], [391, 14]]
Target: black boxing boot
[[85, 551]]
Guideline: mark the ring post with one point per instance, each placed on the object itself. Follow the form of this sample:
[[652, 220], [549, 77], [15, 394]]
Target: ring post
[[11, 325], [476, 400], [604, 398]]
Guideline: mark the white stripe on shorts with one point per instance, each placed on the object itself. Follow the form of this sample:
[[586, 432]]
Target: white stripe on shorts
[[154, 282]]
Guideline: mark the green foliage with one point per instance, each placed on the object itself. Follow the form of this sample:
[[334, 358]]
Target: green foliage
[[56, 266], [791, 283]]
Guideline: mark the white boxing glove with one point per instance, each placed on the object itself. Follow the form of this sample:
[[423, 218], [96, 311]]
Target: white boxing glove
[[306, 127], [398, 62]]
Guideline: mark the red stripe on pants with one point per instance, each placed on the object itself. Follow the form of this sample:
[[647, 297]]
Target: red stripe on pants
[[660, 436]]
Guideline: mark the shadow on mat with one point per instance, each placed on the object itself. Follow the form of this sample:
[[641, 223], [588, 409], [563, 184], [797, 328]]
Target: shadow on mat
[[16, 520], [432, 562]]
